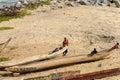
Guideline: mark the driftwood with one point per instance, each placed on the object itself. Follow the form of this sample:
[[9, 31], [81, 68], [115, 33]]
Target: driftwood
[[54, 76], [57, 63], [3, 45], [96, 75], [30, 59]]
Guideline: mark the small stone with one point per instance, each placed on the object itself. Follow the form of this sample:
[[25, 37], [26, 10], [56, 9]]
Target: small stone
[[16, 74], [100, 65], [110, 64]]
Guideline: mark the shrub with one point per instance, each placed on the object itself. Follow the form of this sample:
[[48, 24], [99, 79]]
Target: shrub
[[45, 2], [14, 47], [19, 15], [6, 28], [4, 59]]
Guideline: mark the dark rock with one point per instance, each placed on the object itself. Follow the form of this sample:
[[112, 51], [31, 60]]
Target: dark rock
[[100, 65], [84, 2], [10, 11], [54, 7], [110, 64], [117, 3], [69, 4]]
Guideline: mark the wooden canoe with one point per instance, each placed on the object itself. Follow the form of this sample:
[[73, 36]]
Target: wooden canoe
[[95, 75], [55, 76], [5, 73], [3, 45], [58, 62], [30, 59]]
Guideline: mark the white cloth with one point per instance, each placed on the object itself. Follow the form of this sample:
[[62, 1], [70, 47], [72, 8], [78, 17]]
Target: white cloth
[[118, 46], [22, 78]]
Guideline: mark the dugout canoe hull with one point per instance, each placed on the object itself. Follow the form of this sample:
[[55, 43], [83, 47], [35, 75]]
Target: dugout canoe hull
[[55, 76], [30, 59], [96, 75], [58, 62], [2, 73], [3, 45]]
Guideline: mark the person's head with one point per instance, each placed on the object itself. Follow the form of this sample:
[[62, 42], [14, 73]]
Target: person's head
[[117, 43], [94, 49], [60, 48], [65, 38]]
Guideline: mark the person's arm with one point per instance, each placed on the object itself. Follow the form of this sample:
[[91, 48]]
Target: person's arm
[[115, 46], [118, 46], [67, 42]]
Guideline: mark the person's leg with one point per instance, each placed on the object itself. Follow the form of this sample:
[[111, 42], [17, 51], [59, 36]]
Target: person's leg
[[91, 54], [110, 49], [63, 53], [66, 51]]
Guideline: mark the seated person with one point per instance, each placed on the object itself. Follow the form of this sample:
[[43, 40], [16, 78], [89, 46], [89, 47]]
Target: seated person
[[56, 49], [115, 46], [93, 52]]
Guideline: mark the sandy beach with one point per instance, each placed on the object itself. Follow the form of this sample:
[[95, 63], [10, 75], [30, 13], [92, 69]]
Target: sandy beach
[[86, 27]]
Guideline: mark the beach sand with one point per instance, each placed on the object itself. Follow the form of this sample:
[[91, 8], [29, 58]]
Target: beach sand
[[85, 27]]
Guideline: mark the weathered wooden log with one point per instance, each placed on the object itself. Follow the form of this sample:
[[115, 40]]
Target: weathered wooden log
[[96, 75], [54, 76], [5, 73], [30, 59], [3, 45], [57, 63]]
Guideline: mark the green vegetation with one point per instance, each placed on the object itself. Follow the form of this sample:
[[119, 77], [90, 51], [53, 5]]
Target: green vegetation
[[19, 15], [4, 59], [45, 2], [32, 6], [6, 28], [14, 47]]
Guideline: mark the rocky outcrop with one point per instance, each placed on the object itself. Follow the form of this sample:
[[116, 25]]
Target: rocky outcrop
[[71, 3], [93, 2], [84, 2], [100, 2], [10, 11], [117, 3]]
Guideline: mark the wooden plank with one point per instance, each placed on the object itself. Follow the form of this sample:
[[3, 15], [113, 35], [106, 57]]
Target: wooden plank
[[30, 59], [96, 75], [57, 63]]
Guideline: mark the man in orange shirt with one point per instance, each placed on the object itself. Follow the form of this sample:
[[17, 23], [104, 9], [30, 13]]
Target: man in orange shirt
[[65, 43]]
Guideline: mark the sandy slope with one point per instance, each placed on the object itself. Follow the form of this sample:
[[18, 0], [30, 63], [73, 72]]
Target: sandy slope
[[86, 27]]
